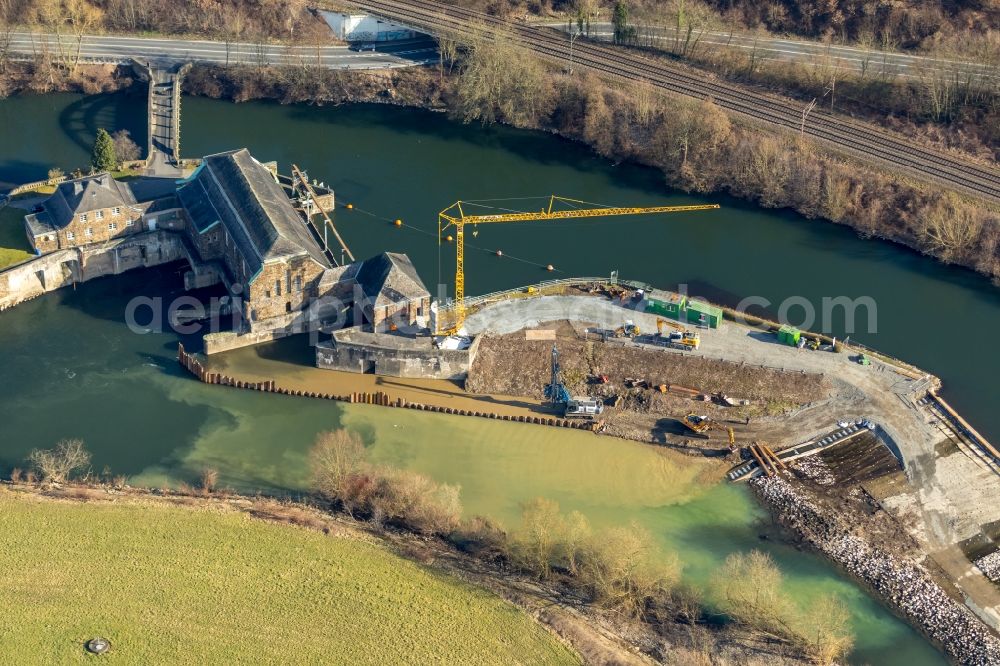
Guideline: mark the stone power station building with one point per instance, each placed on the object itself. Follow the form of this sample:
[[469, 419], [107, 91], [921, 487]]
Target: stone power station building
[[239, 227]]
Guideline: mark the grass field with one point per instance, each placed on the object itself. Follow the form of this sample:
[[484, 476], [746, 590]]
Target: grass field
[[206, 585], [13, 243]]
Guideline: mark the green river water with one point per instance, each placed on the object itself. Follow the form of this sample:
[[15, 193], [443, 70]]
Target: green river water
[[72, 369]]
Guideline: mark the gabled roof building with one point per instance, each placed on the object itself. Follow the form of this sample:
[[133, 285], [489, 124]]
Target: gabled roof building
[[82, 211]]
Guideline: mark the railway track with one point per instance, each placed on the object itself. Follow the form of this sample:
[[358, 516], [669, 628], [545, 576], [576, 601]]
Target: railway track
[[852, 137]]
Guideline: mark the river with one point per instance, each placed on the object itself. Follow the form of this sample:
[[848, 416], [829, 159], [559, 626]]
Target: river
[[88, 377]]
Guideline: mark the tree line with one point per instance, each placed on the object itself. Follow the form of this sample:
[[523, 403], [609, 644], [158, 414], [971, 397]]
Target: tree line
[[699, 148], [619, 569]]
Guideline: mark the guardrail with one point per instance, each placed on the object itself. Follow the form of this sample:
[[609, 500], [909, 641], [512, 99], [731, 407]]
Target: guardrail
[[27, 187], [478, 301]]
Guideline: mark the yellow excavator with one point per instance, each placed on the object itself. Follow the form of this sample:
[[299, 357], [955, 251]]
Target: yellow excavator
[[679, 338], [700, 426]]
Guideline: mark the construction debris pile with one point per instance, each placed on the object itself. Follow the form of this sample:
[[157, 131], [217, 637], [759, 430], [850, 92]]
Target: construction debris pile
[[903, 584], [990, 566]]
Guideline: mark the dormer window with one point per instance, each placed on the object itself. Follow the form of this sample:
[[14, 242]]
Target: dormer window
[[99, 215], [83, 217]]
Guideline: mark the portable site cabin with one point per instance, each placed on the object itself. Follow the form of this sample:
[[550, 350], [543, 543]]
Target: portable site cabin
[[789, 335], [666, 304], [704, 314]]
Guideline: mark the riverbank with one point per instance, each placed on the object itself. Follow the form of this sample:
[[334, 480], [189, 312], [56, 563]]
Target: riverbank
[[597, 636], [696, 146], [899, 581], [263, 575], [716, 153]]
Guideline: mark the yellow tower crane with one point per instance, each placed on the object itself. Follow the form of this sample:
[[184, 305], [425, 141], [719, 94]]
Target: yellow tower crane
[[454, 216]]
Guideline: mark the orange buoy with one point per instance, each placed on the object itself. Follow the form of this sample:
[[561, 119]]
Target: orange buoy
[[550, 267], [449, 239], [398, 223], [499, 253], [350, 205]]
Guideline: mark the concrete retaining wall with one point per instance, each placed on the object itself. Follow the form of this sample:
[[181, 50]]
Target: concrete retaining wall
[[65, 267], [429, 363]]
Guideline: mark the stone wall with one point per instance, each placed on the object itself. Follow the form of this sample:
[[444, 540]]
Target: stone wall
[[347, 353], [282, 287], [65, 267]]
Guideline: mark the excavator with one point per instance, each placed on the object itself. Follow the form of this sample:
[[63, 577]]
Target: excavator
[[700, 426], [679, 338]]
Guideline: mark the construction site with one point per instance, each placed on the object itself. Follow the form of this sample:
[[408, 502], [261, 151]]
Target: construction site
[[862, 440]]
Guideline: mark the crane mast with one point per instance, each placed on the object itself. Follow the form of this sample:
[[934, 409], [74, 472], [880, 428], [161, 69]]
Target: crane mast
[[454, 216]]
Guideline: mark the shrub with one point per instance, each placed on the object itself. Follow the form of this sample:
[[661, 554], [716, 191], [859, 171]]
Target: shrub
[[622, 572], [209, 479], [416, 502], [337, 457], [58, 464]]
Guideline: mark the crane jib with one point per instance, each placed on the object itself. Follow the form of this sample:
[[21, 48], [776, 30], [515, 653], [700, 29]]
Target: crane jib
[[445, 220]]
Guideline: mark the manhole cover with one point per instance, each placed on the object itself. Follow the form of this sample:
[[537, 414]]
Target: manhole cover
[[98, 645]]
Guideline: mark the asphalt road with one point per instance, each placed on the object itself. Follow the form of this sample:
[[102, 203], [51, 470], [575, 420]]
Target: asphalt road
[[874, 61], [166, 50]]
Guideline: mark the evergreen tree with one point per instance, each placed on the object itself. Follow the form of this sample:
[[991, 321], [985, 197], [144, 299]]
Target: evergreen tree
[[103, 157], [620, 21]]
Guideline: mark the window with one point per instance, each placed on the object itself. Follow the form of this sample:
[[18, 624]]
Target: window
[[130, 223], [277, 287], [298, 283], [99, 215], [112, 227], [267, 293], [83, 217], [70, 235], [88, 232], [116, 210]]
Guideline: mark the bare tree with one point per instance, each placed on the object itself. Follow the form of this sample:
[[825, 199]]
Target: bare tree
[[209, 479], [500, 80], [748, 586], [335, 458], [416, 501], [536, 542], [825, 630], [126, 150], [624, 573], [58, 464], [82, 17], [950, 228]]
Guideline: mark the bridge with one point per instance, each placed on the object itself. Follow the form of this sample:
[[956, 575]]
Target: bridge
[[163, 112]]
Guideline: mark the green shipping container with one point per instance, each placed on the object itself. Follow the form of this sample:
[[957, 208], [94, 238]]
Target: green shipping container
[[704, 314], [665, 304], [789, 335]]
